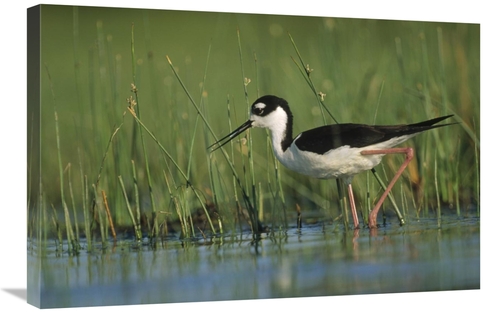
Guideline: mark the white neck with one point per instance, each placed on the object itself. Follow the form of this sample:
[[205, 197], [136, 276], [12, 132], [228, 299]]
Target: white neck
[[279, 124]]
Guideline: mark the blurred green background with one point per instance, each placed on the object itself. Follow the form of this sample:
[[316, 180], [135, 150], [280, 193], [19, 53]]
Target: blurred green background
[[372, 71]]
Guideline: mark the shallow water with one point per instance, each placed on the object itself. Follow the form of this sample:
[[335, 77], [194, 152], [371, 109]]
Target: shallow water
[[315, 261]]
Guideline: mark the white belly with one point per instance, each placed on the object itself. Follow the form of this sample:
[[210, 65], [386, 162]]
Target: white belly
[[344, 162]]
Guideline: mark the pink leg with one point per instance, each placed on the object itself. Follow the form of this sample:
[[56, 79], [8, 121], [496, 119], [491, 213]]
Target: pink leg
[[409, 156], [353, 207]]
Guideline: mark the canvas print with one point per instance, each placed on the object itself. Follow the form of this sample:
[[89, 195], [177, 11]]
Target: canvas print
[[181, 156]]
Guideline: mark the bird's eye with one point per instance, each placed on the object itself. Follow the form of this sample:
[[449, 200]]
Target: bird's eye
[[258, 111]]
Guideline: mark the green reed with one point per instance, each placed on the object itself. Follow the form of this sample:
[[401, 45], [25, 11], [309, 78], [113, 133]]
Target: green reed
[[137, 229], [58, 229], [137, 225], [234, 177], [76, 236], [144, 151], [86, 214], [245, 80]]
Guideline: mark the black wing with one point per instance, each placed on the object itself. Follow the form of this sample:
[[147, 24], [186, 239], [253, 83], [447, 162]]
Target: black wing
[[325, 138]]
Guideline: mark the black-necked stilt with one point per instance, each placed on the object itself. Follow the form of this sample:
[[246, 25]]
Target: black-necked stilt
[[332, 151]]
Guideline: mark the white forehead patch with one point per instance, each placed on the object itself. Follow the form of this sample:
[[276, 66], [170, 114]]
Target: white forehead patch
[[260, 105]]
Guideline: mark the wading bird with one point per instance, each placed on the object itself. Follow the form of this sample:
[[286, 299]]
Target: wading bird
[[331, 151]]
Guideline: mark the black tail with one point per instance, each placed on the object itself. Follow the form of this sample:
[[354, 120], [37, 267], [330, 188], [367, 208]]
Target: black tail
[[430, 123], [399, 130]]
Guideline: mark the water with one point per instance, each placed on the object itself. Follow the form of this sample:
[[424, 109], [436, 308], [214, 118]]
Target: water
[[316, 261]]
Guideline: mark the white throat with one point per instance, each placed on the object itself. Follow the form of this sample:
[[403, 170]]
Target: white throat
[[277, 123]]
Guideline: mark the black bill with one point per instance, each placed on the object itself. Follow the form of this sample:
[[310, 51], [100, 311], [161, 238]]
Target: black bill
[[229, 137]]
